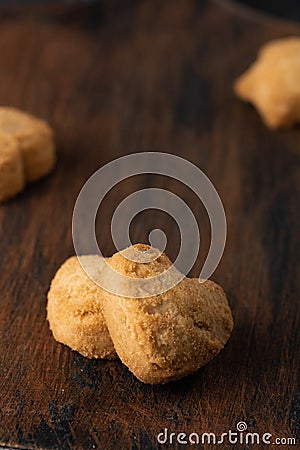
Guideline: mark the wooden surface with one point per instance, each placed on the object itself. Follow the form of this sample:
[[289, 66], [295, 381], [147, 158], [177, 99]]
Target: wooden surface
[[115, 78]]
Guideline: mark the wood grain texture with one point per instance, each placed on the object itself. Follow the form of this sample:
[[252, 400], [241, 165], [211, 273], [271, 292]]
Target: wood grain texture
[[115, 78]]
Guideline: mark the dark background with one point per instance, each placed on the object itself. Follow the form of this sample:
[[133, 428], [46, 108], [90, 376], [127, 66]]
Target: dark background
[[285, 8]]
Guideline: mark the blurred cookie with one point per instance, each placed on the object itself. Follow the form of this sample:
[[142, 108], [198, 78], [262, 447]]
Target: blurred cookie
[[168, 336], [12, 178], [34, 138], [74, 309], [272, 83]]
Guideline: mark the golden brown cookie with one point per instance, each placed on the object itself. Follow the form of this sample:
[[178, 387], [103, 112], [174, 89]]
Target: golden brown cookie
[[12, 178], [168, 336], [75, 310], [35, 141], [272, 83]]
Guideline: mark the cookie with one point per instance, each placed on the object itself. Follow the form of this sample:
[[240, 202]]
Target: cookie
[[271, 83], [12, 177], [74, 310], [165, 337], [34, 138]]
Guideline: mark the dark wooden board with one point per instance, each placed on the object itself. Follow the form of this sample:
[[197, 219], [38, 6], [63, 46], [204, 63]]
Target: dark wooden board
[[115, 78]]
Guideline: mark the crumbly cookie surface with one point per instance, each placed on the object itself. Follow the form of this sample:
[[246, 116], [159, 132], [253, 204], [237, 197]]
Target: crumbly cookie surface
[[74, 310], [12, 178], [34, 138], [126, 273], [271, 83], [166, 337]]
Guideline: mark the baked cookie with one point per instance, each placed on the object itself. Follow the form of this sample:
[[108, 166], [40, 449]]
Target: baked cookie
[[168, 336], [12, 179], [34, 138], [272, 83], [74, 309]]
